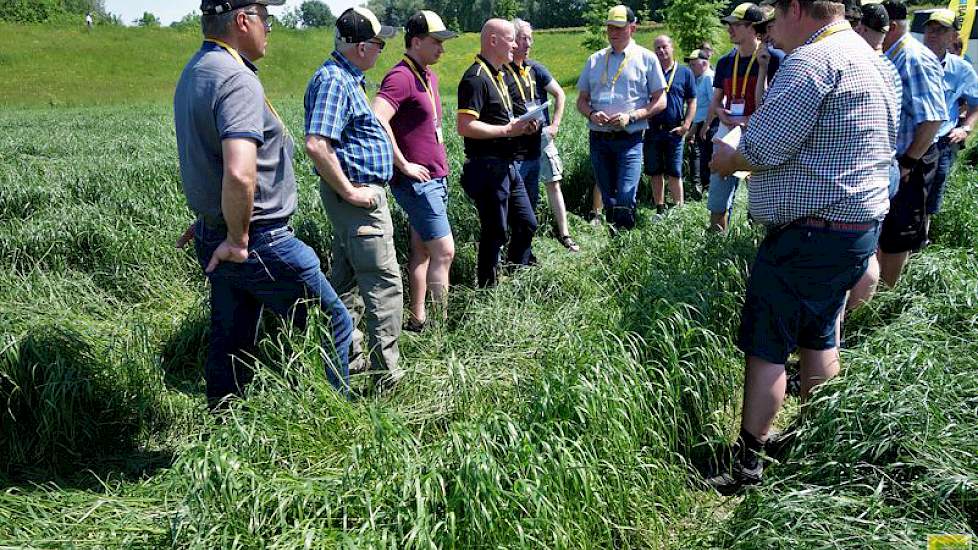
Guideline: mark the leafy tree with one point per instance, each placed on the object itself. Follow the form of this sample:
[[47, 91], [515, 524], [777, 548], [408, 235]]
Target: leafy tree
[[147, 20], [290, 19], [506, 9], [595, 36], [191, 21], [693, 21], [314, 13]]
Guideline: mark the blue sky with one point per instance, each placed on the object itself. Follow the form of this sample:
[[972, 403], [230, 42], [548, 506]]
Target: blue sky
[[172, 10]]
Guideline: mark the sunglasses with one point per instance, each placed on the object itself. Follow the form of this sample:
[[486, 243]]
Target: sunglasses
[[379, 43]]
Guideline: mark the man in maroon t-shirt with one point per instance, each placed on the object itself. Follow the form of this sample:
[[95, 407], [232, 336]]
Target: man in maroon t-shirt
[[409, 107]]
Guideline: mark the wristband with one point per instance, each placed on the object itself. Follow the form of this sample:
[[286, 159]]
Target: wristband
[[907, 162], [589, 115]]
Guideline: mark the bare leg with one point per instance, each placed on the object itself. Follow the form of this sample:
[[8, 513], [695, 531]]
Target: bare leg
[[658, 190], [596, 204], [764, 386], [891, 267], [418, 264], [441, 253], [676, 190], [865, 288], [817, 366], [556, 199], [718, 222]]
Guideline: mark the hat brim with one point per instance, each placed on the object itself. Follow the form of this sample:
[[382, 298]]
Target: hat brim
[[386, 32], [617, 23], [732, 19], [443, 35], [270, 2]]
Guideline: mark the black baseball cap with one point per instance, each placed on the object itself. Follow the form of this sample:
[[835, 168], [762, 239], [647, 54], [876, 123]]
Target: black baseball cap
[[359, 25], [875, 18], [217, 7], [745, 13], [427, 22], [895, 9]]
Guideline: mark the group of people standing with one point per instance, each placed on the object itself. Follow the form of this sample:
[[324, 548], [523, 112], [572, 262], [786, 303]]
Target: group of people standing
[[848, 130]]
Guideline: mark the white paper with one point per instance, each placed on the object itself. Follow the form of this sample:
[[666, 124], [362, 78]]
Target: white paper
[[731, 136], [535, 112]]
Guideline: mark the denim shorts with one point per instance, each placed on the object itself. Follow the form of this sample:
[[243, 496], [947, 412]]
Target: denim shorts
[[797, 289], [425, 203], [723, 189], [663, 153]]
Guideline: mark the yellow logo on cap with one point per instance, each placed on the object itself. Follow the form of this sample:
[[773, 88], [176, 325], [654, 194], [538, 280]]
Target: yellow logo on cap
[[944, 17], [741, 10], [618, 14], [948, 542]]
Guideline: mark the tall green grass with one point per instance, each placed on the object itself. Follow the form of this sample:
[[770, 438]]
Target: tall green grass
[[564, 409]]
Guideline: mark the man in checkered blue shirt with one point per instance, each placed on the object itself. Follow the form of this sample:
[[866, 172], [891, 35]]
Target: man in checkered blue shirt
[[820, 150], [924, 110], [354, 159]]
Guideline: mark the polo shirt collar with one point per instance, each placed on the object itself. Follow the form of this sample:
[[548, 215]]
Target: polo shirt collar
[[631, 42], [413, 62], [488, 64], [346, 65], [211, 46]]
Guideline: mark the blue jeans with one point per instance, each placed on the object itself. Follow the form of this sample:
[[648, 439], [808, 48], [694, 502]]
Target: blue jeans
[[617, 163], [281, 272], [947, 152]]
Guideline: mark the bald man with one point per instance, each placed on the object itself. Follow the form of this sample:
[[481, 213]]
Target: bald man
[[488, 104]]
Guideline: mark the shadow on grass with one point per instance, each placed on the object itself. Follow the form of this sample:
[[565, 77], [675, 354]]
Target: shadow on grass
[[69, 408]]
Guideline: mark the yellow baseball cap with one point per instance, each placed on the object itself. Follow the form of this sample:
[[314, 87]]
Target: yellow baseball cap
[[747, 12], [621, 16], [946, 18]]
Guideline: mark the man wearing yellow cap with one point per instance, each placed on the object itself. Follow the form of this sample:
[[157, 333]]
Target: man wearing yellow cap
[[960, 82], [409, 106], [735, 97], [620, 87]]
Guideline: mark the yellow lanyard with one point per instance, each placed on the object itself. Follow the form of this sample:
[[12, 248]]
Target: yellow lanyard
[[621, 67], [431, 94], [501, 88], [525, 77], [896, 48], [234, 53], [832, 29], [672, 76], [743, 89]]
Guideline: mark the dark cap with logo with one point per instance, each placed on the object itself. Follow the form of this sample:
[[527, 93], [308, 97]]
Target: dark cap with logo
[[217, 7], [359, 25], [875, 18], [745, 13], [427, 23]]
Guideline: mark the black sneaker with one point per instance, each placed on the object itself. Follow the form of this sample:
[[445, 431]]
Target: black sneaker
[[736, 475], [780, 443]]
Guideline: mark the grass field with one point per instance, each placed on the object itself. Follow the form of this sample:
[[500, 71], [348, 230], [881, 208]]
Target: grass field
[[563, 409]]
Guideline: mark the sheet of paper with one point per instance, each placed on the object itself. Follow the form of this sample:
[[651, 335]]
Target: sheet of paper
[[535, 112], [731, 136]]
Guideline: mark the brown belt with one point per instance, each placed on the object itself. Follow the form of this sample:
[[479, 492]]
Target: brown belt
[[829, 225]]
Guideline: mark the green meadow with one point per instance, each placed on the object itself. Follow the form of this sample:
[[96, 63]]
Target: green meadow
[[567, 408]]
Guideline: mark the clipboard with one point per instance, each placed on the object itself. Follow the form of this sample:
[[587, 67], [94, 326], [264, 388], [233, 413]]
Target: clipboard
[[535, 112]]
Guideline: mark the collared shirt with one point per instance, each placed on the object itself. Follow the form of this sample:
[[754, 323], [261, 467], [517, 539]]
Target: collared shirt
[[415, 124], [746, 77], [638, 80], [681, 89], [960, 81], [479, 95], [704, 95], [822, 142], [337, 109], [923, 87], [219, 98]]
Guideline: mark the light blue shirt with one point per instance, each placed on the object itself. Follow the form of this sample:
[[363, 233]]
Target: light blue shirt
[[639, 79], [923, 88], [704, 95], [960, 81]]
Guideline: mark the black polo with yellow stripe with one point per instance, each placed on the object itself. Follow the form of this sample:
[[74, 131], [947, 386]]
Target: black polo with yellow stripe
[[479, 95]]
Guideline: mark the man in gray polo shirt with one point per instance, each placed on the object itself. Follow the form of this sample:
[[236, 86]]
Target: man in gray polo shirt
[[236, 166]]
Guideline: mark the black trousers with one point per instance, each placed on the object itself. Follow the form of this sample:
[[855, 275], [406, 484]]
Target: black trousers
[[700, 153], [505, 213]]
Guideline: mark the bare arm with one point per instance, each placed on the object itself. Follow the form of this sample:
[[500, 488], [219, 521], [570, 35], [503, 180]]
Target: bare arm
[[960, 134], [716, 104], [469, 126], [760, 88], [688, 119], [237, 199], [560, 99], [385, 112], [320, 150]]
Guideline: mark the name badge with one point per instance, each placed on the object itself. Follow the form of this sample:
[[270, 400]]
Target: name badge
[[737, 108], [605, 98]]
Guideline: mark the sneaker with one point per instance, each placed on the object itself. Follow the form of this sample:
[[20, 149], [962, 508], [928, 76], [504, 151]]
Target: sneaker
[[414, 325], [734, 472], [780, 443], [569, 243]]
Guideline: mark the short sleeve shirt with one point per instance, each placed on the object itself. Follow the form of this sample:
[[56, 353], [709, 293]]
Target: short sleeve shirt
[[219, 98], [682, 87], [923, 87], [531, 82], [414, 122], [336, 108], [704, 95], [618, 82], [488, 95], [746, 77], [960, 82]]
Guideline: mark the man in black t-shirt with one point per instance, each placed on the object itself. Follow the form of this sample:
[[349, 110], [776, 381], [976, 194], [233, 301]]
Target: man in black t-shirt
[[486, 121]]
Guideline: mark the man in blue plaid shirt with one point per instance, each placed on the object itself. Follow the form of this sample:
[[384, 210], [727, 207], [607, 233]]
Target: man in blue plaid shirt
[[354, 159], [820, 149], [924, 111]]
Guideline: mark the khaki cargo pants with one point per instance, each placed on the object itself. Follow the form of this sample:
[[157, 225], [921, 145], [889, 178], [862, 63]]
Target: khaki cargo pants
[[366, 276]]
